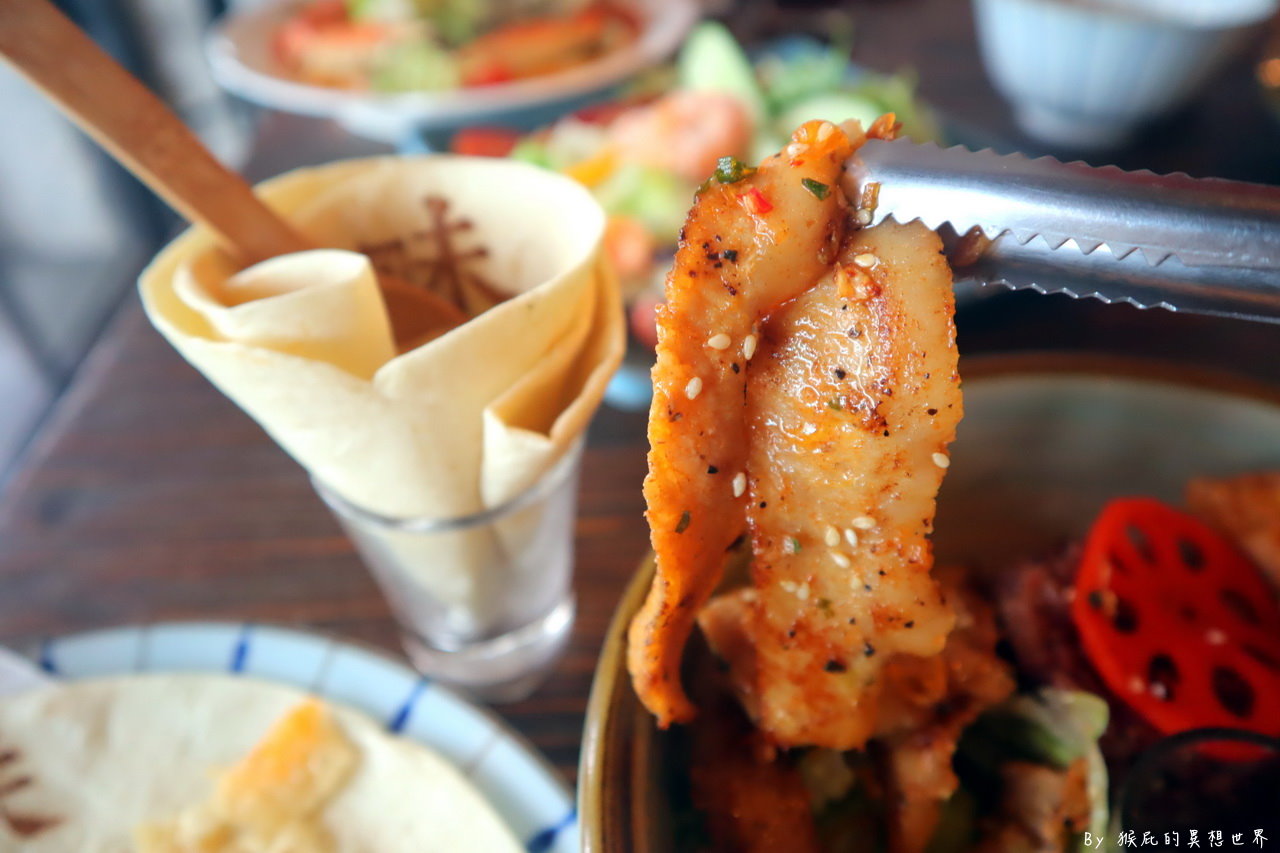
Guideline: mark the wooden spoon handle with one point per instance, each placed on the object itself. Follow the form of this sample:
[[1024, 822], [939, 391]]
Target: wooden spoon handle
[[137, 129]]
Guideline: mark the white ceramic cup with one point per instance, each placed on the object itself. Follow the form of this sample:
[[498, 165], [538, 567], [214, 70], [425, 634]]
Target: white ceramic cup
[[1088, 73]]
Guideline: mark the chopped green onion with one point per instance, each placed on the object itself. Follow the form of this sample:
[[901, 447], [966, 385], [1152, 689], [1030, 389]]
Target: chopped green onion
[[834, 404], [730, 170], [793, 545], [819, 189], [684, 522]]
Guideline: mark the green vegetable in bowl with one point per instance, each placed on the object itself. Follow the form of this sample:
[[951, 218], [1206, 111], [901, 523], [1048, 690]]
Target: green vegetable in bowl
[[1051, 727], [866, 98]]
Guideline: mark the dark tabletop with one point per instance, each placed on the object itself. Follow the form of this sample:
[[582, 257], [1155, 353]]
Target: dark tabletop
[[149, 496]]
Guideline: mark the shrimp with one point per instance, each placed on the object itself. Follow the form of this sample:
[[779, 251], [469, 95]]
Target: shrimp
[[849, 409], [832, 418], [684, 132]]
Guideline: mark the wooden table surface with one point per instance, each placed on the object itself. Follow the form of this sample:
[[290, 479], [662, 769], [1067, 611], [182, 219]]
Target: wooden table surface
[[148, 496]]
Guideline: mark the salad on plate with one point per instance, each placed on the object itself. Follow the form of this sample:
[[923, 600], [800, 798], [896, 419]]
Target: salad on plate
[[392, 46], [645, 155]]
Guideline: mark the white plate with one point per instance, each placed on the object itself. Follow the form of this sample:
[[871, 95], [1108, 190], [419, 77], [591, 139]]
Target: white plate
[[239, 49], [518, 782]]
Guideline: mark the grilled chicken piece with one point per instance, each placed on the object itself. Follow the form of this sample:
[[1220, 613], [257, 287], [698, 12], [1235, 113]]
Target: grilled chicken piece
[[850, 408], [747, 248], [851, 399], [806, 388]]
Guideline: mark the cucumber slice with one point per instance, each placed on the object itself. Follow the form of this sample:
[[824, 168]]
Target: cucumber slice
[[712, 61], [834, 107]]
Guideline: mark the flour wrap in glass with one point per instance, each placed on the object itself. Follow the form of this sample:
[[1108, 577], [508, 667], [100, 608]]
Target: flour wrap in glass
[[446, 428]]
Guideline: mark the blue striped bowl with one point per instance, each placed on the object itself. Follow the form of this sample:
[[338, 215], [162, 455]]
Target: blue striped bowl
[[518, 782]]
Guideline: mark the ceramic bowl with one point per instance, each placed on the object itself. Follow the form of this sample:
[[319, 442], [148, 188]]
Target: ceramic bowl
[[1046, 440], [243, 62], [1087, 73]]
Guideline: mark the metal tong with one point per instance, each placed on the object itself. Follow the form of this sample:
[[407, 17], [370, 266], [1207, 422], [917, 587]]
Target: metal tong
[[1206, 246]]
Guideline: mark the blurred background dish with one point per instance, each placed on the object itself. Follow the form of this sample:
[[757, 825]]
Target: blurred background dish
[[1087, 73], [274, 55], [436, 46], [507, 771], [644, 154], [1087, 430], [59, 285]]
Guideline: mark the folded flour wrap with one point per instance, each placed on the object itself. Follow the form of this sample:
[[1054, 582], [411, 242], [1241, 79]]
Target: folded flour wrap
[[101, 757], [461, 423]]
